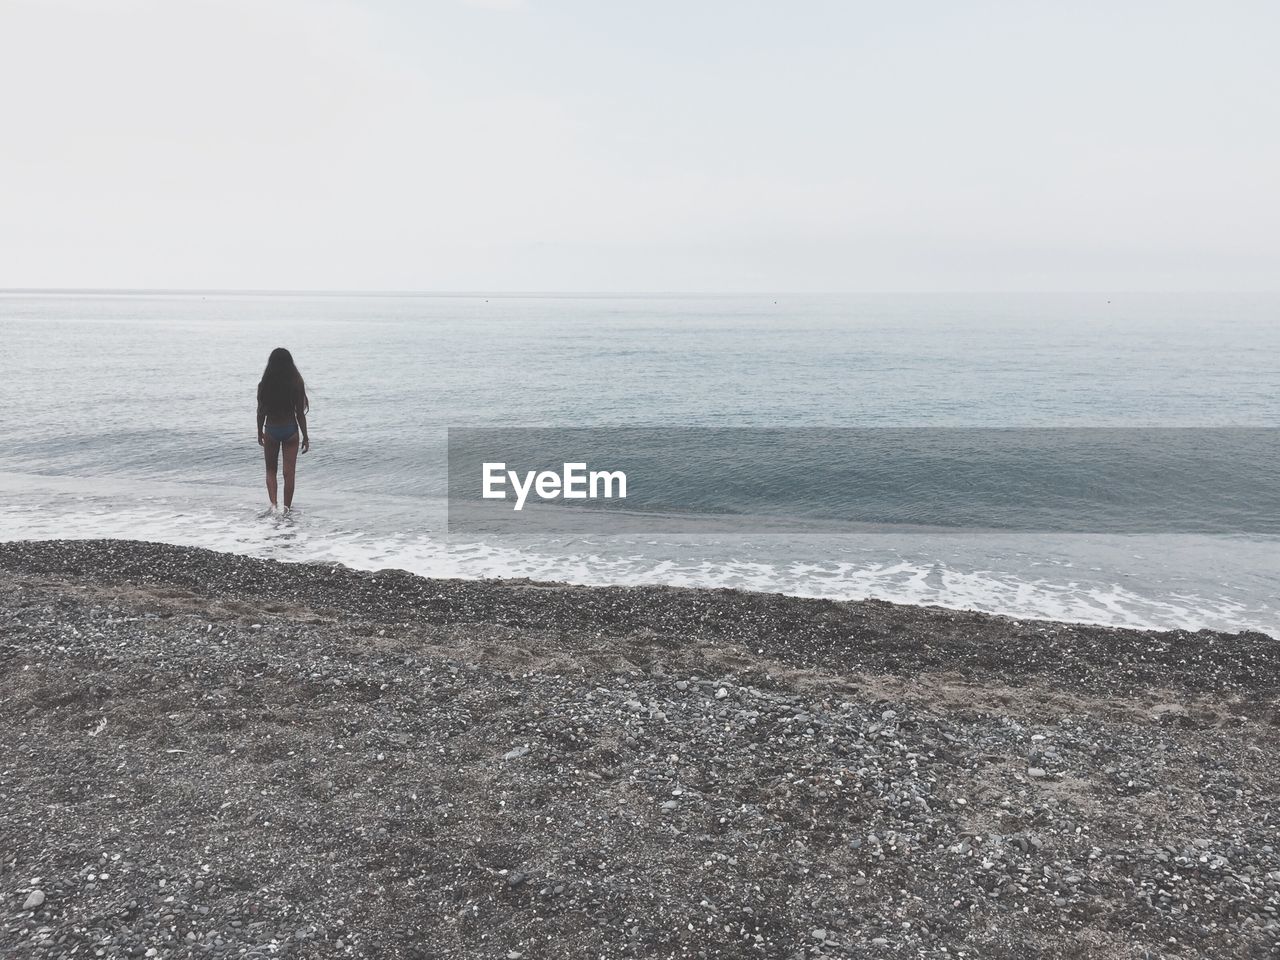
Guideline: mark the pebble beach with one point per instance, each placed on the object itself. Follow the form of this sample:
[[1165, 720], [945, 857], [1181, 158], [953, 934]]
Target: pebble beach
[[210, 755]]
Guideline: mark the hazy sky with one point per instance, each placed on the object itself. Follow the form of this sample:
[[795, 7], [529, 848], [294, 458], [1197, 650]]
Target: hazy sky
[[649, 145]]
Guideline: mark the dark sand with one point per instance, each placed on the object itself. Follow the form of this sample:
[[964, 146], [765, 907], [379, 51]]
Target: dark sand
[[210, 755]]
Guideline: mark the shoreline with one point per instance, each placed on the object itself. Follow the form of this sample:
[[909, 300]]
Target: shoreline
[[1069, 583], [319, 762], [1082, 653]]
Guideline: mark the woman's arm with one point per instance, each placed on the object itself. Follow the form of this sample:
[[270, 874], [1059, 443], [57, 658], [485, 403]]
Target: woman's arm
[[300, 413], [262, 419]]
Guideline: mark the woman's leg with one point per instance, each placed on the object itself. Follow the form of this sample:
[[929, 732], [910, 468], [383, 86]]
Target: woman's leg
[[290, 465], [271, 451]]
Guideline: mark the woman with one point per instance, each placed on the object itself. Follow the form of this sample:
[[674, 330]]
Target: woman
[[282, 414]]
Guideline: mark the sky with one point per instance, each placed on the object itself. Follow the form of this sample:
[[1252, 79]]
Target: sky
[[602, 145]]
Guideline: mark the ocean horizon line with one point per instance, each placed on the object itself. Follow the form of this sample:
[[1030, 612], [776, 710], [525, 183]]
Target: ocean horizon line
[[611, 294]]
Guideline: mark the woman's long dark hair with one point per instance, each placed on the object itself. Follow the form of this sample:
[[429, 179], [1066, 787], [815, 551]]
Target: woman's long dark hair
[[282, 389]]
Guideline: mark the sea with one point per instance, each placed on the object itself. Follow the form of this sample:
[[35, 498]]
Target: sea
[[131, 415]]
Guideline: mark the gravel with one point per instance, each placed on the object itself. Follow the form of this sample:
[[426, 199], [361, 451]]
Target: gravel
[[205, 755]]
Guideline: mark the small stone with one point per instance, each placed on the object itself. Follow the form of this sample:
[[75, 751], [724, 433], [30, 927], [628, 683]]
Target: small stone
[[721, 693], [515, 754], [1036, 772], [34, 901]]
